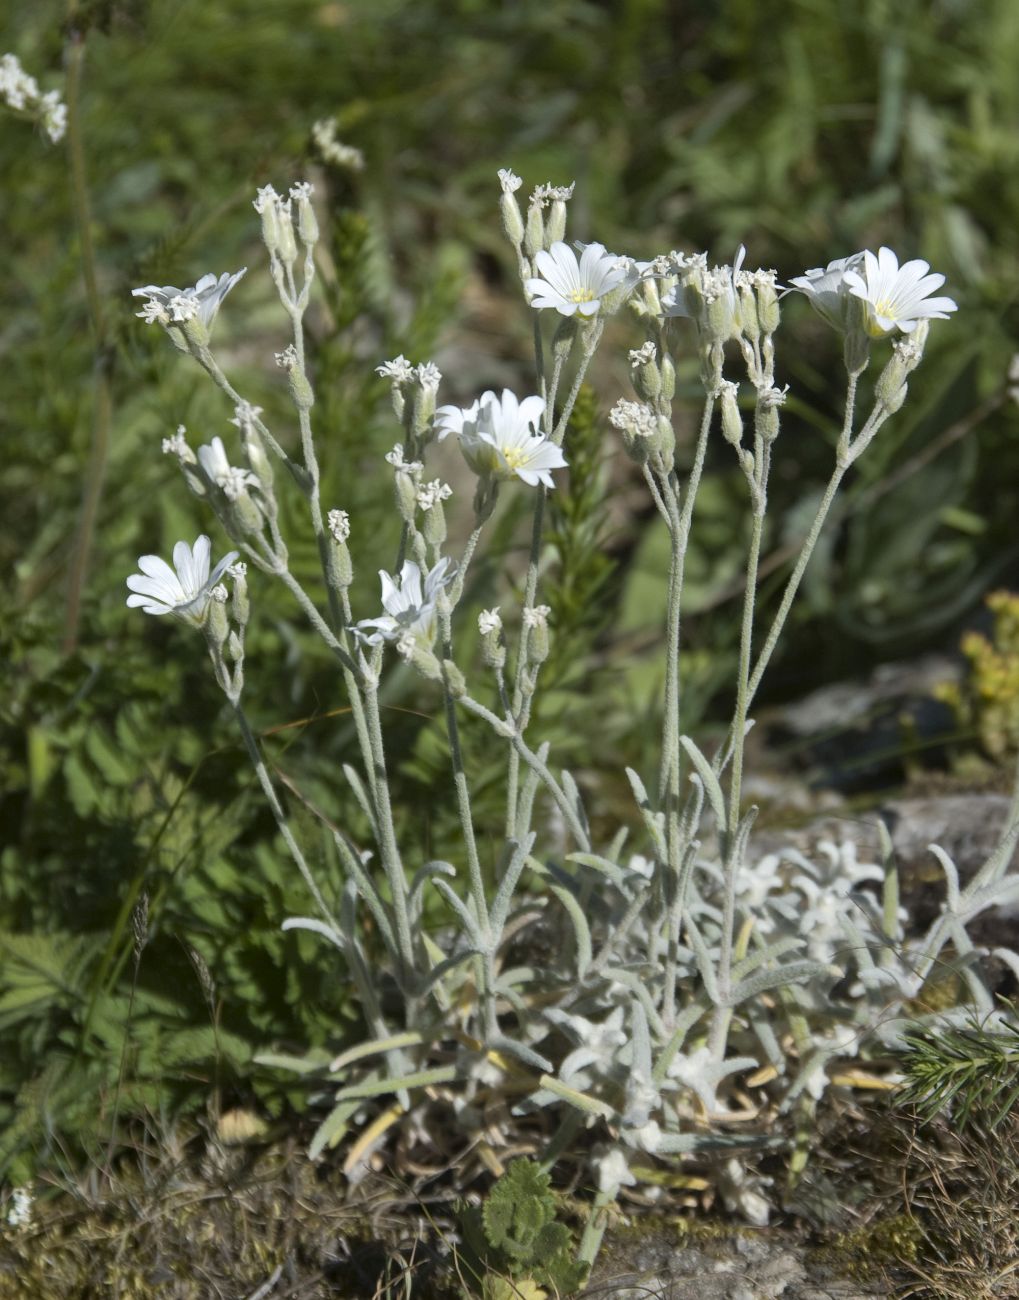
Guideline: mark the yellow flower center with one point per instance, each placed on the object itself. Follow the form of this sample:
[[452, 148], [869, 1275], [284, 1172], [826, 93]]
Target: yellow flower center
[[883, 307], [581, 295], [515, 457]]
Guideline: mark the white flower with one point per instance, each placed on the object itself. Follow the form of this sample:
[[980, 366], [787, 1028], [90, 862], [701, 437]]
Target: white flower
[[339, 524], [428, 375], [399, 370], [186, 593], [489, 621], [167, 303], [570, 285], [429, 493], [645, 353], [634, 418], [410, 611], [536, 616], [826, 288], [498, 437], [897, 297], [231, 480], [177, 446], [245, 415], [287, 359], [395, 458], [542, 195], [509, 181]]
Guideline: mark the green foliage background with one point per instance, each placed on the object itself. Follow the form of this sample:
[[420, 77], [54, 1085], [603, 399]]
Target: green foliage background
[[803, 128]]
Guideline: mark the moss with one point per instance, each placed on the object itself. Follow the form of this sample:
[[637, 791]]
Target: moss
[[869, 1252]]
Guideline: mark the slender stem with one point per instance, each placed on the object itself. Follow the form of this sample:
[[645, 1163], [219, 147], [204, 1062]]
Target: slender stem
[[102, 400], [388, 848], [255, 754], [508, 732], [669, 777]]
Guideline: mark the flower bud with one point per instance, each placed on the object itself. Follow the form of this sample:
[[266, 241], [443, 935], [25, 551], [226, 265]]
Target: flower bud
[[535, 619], [406, 496], [243, 514], [667, 372], [240, 607], [235, 647], [856, 351], [512, 221], [266, 207], [195, 332], [534, 231], [413, 652], [766, 421], [647, 380], [566, 332], [455, 680], [300, 389], [891, 380], [217, 624], [555, 227], [748, 313], [433, 524], [307, 222], [769, 314], [286, 248], [894, 401], [732, 420], [343, 566], [493, 646], [665, 440], [720, 318]]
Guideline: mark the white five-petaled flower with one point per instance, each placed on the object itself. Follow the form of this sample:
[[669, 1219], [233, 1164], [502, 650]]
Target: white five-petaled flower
[[186, 593], [498, 437], [229, 478], [897, 297], [167, 304], [410, 607], [570, 285]]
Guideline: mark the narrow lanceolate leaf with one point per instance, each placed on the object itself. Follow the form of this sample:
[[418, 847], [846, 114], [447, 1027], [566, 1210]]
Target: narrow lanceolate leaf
[[796, 972], [381, 1087], [361, 795], [608, 868], [712, 788], [653, 821], [591, 1105], [312, 1063], [580, 927], [333, 1128], [377, 1045]]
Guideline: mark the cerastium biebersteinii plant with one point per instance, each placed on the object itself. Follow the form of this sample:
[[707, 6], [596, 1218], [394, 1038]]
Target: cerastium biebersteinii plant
[[697, 970]]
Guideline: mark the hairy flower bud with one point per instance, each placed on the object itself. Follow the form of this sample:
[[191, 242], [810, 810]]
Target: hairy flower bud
[[769, 314], [732, 420], [534, 230]]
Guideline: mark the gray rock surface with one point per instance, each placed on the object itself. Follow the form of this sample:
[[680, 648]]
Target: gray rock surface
[[746, 1265]]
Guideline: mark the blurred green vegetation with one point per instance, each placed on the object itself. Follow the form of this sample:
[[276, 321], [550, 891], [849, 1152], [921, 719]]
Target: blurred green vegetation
[[805, 129]]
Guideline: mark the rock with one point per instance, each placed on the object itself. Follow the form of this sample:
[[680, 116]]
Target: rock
[[743, 1264]]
